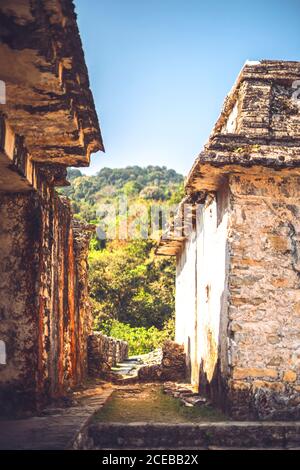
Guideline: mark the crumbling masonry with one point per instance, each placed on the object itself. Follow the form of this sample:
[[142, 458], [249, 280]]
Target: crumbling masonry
[[238, 252], [47, 124]]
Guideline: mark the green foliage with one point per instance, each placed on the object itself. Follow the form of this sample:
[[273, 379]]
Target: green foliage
[[153, 193], [132, 290], [140, 340], [74, 173], [131, 284], [132, 188], [152, 183]]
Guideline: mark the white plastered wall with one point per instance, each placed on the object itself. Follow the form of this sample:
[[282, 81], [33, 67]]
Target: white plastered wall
[[201, 291], [212, 224], [185, 298]]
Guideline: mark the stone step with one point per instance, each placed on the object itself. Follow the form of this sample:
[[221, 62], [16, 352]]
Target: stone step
[[219, 435], [57, 428]]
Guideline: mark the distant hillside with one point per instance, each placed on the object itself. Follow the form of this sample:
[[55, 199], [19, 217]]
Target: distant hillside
[[151, 184]]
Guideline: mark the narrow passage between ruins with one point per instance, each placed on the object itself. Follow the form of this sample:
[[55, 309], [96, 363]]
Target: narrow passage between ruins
[[156, 304]]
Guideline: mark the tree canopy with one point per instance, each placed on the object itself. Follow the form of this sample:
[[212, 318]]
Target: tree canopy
[[129, 285]]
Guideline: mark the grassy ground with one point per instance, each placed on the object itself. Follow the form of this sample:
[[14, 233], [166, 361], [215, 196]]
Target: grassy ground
[[148, 403]]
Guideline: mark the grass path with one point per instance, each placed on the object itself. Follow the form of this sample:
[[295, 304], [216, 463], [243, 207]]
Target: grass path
[[148, 403]]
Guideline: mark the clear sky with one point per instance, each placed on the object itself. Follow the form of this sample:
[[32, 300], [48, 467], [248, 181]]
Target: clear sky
[[160, 69]]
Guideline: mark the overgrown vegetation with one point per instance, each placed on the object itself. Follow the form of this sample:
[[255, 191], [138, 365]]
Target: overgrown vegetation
[[132, 290], [152, 184], [141, 340], [128, 283]]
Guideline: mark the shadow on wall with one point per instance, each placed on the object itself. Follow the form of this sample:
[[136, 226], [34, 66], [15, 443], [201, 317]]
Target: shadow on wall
[[188, 358], [214, 372], [243, 399]]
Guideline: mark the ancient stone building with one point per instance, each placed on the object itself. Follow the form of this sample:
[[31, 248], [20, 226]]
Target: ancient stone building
[[47, 123], [238, 251]]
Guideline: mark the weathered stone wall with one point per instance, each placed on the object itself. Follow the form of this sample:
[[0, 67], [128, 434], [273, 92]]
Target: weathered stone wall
[[45, 312], [44, 304], [82, 234], [64, 311], [18, 307], [264, 305], [249, 334], [244, 327], [173, 366], [104, 352], [47, 123]]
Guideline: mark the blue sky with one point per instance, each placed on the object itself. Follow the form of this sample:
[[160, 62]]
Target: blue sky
[[160, 69]]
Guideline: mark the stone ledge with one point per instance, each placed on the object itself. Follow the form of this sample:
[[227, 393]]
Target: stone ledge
[[242, 435], [57, 428]]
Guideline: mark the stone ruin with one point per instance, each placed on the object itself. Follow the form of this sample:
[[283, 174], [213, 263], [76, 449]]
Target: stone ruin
[[237, 300], [171, 368], [104, 353], [47, 123], [236, 241]]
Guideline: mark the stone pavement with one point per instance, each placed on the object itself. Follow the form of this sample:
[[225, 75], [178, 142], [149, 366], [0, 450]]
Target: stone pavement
[[129, 368], [57, 428]]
